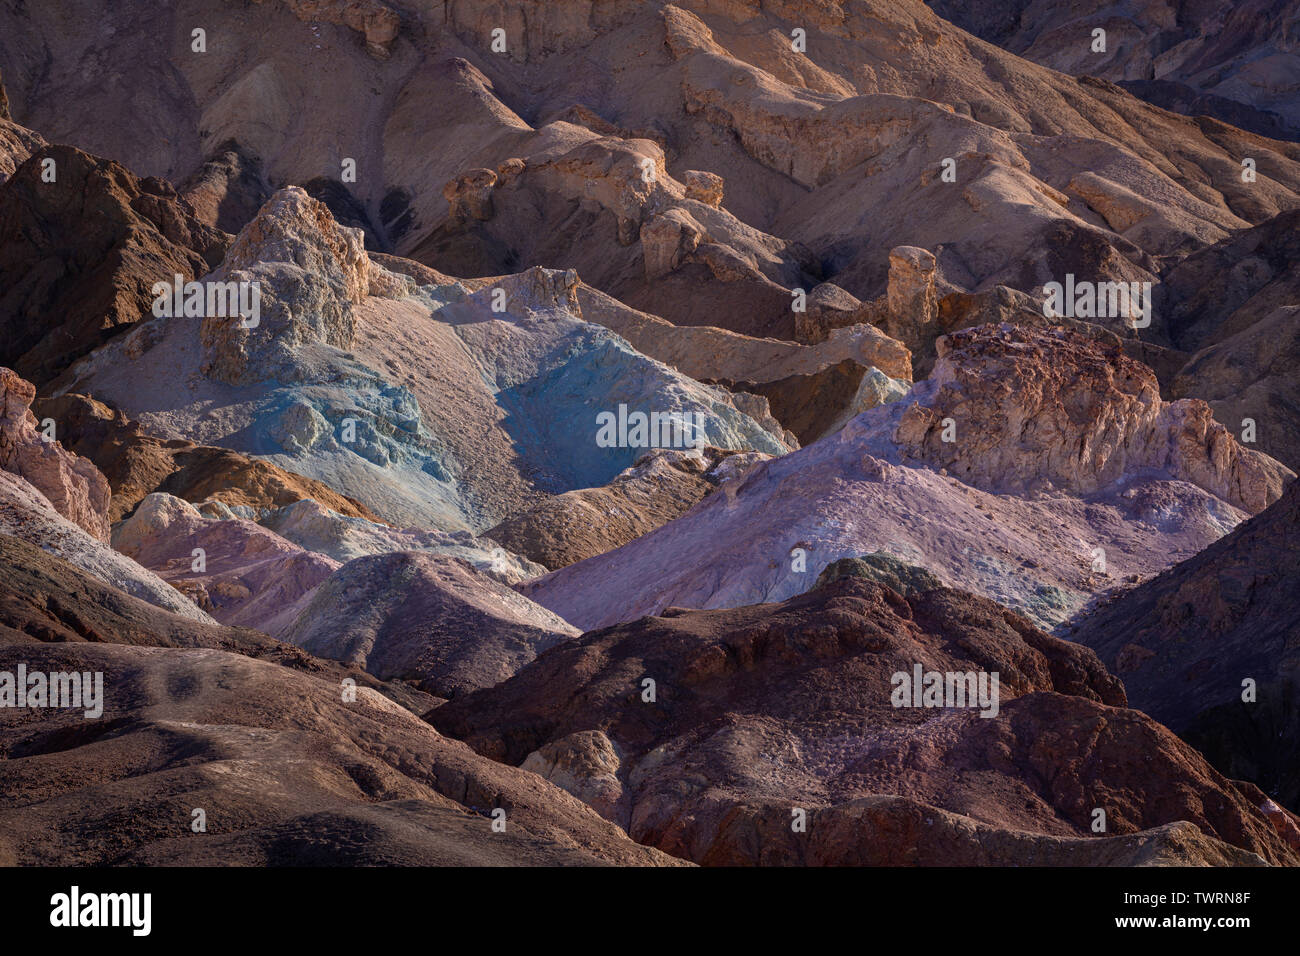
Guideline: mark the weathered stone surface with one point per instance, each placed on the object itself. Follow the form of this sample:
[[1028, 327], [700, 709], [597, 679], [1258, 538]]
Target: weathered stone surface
[[761, 710], [310, 272], [228, 190], [375, 21], [236, 570], [911, 299], [320, 781], [1234, 306], [1185, 642], [73, 485], [1036, 408], [84, 253], [663, 485], [136, 463], [430, 620], [26, 514], [469, 195], [703, 186]]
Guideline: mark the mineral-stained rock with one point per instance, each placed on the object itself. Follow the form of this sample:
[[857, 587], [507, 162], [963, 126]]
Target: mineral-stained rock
[[428, 619], [828, 308], [316, 528], [1186, 642], [820, 404], [237, 571], [911, 297], [661, 486], [136, 463], [73, 484], [377, 22], [470, 195], [667, 240], [586, 765], [82, 254], [28, 515], [1040, 407], [1061, 447], [16, 144], [906, 579], [310, 273], [761, 712], [703, 186]]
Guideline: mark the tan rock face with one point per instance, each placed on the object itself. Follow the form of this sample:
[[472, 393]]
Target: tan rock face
[[228, 190], [16, 144], [72, 484], [661, 486], [469, 195], [1036, 408], [666, 240], [703, 187], [376, 22], [309, 271], [586, 764], [911, 297]]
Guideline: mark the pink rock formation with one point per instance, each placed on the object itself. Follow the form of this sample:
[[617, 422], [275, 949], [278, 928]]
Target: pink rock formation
[[72, 484], [236, 570]]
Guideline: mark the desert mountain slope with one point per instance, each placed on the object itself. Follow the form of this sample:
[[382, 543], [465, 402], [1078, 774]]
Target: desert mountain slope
[[427, 619], [1066, 474], [1236, 61], [681, 148], [1185, 642], [284, 770], [427, 404], [761, 712]]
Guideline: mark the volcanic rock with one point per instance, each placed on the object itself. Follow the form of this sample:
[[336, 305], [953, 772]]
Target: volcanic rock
[[237, 571], [1234, 305], [762, 712], [576, 525], [137, 464], [28, 515], [325, 777], [1034, 408], [1066, 474]]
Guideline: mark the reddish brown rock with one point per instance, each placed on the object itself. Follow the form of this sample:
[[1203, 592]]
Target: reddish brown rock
[[333, 768], [763, 711], [83, 254], [1053, 407], [1185, 642]]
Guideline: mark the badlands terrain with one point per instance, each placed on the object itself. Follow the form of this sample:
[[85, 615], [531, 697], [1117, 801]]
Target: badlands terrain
[[604, 432]]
